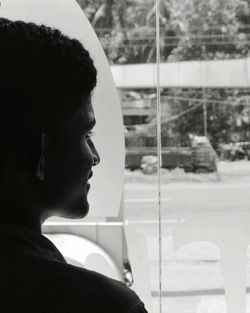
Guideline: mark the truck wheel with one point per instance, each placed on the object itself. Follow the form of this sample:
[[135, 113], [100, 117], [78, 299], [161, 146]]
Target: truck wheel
[[201, 170], [149, 170], [214, 169], [170, 168]]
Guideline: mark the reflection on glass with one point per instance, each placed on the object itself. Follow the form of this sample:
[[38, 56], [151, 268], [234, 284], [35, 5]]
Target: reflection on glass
[[205, 139], [205, 129], [127, 32]]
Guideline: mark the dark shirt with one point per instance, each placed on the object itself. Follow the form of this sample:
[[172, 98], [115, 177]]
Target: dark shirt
[[34, 277]]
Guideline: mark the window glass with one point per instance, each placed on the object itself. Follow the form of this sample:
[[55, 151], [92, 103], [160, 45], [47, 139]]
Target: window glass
[[127, 32], [205, 160], [184, 231]]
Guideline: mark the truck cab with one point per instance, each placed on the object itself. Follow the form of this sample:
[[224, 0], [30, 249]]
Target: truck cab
[[196, 156]]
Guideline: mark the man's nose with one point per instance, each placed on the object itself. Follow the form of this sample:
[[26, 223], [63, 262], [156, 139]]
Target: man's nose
[[96, 156]]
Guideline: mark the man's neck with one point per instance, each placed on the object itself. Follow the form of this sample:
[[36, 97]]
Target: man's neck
[[21, 220]]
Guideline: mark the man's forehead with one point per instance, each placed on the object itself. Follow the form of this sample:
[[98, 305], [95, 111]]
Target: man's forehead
[[87, 114]]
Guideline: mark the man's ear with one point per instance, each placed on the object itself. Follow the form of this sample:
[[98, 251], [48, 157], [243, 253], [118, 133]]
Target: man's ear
[[40, 166]]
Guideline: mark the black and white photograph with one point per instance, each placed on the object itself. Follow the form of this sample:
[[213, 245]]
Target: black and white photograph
[[125, 157]]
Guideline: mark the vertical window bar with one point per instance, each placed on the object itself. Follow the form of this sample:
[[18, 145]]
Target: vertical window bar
[[158, 99]]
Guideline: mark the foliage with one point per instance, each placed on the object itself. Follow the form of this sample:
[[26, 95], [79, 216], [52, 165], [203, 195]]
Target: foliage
[[190, 30], [212, 29], [219, 114]]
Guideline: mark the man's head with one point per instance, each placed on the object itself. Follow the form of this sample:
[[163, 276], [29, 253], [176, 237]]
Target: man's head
[[46, 80]]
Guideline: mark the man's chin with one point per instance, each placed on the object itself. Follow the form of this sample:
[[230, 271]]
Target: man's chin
[[78, 210], [81, 210]]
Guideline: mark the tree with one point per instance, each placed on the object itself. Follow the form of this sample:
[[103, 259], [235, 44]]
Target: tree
[[211, 29], [190, 30]]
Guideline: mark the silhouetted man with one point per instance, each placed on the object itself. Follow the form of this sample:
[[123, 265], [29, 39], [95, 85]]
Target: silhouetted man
[[47, 154]]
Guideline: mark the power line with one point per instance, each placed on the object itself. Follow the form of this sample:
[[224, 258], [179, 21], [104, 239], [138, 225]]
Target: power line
[[152, 45], [202, 100], [210, 27], [186, 36]]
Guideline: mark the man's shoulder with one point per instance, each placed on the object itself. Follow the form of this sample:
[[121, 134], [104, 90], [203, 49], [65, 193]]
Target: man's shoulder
[[105, 288], [59, 287], [96, 289]]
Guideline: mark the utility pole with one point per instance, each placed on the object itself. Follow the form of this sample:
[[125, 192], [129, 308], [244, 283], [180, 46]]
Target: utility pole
[[205, 111], [108, 13]]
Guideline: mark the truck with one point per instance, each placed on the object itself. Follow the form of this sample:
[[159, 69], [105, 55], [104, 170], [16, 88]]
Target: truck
[[198, 156]]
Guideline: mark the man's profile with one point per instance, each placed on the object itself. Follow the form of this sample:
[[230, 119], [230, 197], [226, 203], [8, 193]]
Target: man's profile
[[46, 81]]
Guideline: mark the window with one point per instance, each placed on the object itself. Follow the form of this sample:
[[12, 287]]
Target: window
[[179, 231]]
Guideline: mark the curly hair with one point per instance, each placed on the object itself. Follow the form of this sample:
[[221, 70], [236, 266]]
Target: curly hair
[[41, 72]]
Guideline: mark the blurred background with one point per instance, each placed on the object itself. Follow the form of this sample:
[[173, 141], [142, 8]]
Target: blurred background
[[205, 145]]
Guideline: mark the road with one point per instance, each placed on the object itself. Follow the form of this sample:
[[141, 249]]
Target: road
[[178, 200], [192, 279]]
